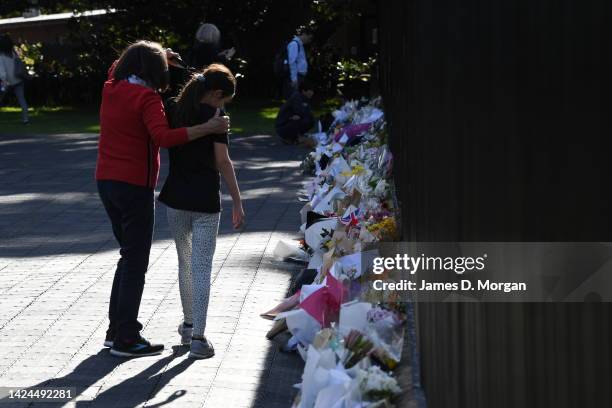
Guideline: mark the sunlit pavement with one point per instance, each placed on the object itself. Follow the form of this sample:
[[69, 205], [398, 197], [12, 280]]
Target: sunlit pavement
[[58, 256]]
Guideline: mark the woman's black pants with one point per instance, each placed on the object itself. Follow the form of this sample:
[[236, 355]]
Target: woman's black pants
[[131, 210]]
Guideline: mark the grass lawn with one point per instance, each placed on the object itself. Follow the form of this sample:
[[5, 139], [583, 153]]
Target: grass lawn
[[49, 120], [253, 116], [248, 117]]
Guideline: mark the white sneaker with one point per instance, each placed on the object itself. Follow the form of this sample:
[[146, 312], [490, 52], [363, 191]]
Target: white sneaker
[[201, 349], [186, 333]]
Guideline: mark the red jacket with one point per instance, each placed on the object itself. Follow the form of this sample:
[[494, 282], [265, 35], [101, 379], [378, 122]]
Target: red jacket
[[133, 126]]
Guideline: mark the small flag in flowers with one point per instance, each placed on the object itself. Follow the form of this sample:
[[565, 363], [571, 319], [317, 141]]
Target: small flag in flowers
[[351, 216]]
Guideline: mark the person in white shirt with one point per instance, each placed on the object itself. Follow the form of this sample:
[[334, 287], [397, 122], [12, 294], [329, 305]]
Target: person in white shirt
[[7, 63], [9, 78], [297, 61]]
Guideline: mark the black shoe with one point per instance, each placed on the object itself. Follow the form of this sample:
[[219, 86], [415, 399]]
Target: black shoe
[[140, 348], [108, 341], [110, 337]]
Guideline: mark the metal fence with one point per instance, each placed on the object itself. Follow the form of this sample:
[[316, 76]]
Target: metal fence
[[499, 124]]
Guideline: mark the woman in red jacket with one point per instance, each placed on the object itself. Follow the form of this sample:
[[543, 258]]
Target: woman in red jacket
[[133, 126]]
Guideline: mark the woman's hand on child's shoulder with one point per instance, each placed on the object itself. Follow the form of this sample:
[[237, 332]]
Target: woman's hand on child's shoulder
[[217, 124]]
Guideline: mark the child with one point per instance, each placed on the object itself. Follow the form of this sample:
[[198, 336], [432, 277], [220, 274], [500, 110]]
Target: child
[[133, 126], [191, 193], [295, 116]]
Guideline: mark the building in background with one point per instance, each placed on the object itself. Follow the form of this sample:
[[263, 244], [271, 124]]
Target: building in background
[[48, 29]]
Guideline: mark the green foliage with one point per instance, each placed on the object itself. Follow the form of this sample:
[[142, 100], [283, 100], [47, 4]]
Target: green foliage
[[256, 28], [12, 8], [351, 69], [31, 55], [332, 70], [354, 76], [336, 11]]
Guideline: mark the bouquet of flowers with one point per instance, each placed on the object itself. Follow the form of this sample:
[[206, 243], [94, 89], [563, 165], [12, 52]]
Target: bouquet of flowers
[[384, 230], [375, 384], [308, 165], [387, 334], [349, 202], [357, 347]]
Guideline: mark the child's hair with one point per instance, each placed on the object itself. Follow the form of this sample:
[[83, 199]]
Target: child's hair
[[216, 77], [146, 60]]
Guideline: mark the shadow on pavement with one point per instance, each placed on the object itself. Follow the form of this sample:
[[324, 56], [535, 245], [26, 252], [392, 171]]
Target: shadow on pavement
[[94, 368], [49, 203], [126, 391], [49, 206]]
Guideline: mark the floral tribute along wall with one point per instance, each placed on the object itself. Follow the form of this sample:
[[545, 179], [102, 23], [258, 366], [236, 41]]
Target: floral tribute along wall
[[350, 342]]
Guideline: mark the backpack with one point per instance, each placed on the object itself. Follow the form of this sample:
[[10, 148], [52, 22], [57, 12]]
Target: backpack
[[281, 67]]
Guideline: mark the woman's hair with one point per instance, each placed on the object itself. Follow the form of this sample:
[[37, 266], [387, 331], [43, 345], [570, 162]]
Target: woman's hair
[[216, 77], [146, 60], [6, 45], [208, 33]]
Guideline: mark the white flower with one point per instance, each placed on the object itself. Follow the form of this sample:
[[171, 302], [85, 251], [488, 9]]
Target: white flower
[[376, 380], [381, 188]]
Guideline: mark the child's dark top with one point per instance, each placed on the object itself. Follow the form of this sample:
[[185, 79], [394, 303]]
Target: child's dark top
[[297, 104], [193, 181]]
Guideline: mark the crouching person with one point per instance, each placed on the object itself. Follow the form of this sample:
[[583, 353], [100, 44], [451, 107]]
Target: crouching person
[[295, 117]]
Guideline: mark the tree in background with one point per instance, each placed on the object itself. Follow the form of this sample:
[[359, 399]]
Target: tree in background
[[257, 28]]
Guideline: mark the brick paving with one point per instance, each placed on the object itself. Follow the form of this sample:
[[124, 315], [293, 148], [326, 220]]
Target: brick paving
[[58, 256]]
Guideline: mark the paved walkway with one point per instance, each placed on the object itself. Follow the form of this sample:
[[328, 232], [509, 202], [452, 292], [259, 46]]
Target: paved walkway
[[58, 256]]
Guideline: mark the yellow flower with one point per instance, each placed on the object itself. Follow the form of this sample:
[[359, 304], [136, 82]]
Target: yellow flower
[[385, 230], [358, 169]]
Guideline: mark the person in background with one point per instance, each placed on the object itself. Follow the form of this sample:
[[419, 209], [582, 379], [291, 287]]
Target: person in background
[[192, 195], [297, 60], [295, 116], [207, 48], [133, 126], [206, 51], [12, 75]]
